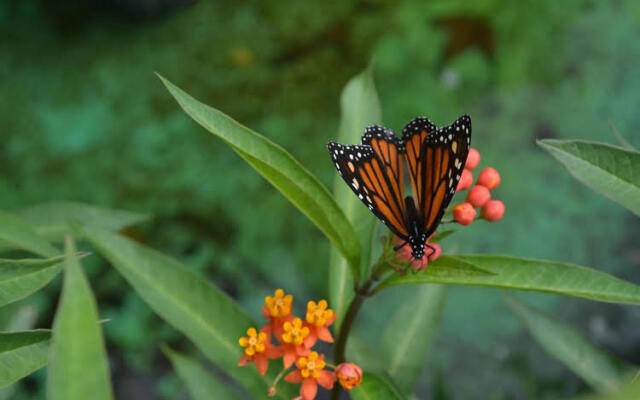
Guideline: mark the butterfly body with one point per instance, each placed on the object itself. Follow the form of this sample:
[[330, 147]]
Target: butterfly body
[[434, 159]]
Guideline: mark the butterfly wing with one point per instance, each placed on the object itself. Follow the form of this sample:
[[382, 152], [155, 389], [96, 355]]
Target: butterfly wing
[[435, 160], [373, 170]]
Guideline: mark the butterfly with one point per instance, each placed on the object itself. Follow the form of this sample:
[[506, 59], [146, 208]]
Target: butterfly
[[433, 158]]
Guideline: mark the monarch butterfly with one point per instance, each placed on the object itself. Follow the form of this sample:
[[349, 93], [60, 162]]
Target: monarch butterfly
[[375, 171]]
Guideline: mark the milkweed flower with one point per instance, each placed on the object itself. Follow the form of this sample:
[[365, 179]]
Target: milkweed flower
[[257, 349], [478, 196], [466, 180], [318, 319], [404, 254], [293, 337], [349, 375], [277, 309], [493, 210], [473, 159], [311, 373], [464, 213], [489, 178]]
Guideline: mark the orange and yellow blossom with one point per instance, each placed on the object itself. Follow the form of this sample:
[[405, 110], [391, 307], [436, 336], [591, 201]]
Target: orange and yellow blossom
[[318, 319], [257, 349], [310, 373], [277, 309], [293, 337], [349, 375]]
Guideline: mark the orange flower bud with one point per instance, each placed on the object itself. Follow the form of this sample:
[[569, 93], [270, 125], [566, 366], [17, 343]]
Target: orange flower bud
[[473, 159], [466, 180], [489, 178], [478, 196], [349, 375], [493, 210], [464, 213]]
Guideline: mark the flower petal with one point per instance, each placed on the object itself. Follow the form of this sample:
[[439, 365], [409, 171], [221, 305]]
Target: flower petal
[[294, 377], [309, 389], [261, 362], [244, 360], [289, 356], [324, 334], [326, 379], [310, 340]]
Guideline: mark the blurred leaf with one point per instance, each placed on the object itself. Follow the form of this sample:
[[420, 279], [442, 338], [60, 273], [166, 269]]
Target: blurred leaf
[[78, 367], [186, 300], [22, 353], [628, 392], [360, 352], [17, 235], [406, 341], [360, 108], [201, 384], [440, 236], [598, 368], [528, 274], [374, 387], [20, 278], [52, 220], [621, 140], [611, 171], [280, 168]]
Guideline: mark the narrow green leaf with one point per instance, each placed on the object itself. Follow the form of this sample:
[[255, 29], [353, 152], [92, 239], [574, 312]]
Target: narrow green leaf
[[280, 168], [201, 384], [20, 278], [611, 171], [593, 364], [187, 301], [360, 108], [406, 341], [528, 274], [628, 392], [621, 139], [79, 368], [22, 353], [440, 236], [16, 234], [52, 220], [360, 352], [374, 387]]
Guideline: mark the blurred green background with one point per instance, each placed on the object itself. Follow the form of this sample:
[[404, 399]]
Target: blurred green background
[[83, 118]]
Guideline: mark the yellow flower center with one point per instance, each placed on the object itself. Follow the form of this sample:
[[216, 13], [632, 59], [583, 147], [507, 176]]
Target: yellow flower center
[[253, 342], [280, 304], [311, 366], [294, 332], [318, 314]]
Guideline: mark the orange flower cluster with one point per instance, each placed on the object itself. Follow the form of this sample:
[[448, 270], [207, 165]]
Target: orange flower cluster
[[296, 337], [479, 196]]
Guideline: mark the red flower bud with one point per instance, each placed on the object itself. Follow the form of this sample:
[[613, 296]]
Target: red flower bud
[[466, 180], [464, 213], [349, 375], [437, 253], [489, 178], [473, 159], [478, 196], [493, 210]]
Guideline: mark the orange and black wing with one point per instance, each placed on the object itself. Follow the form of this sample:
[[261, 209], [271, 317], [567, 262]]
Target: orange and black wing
[[373, 170], [435, 160]]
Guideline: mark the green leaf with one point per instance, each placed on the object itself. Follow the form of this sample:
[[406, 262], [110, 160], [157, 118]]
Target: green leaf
[[201, 384], [187, 301], [79, 368], [374, 387], [17, 235], [611, 171], [53, 220], [440, 236], [20, 278], [410, 333], [528, 274], [598, 368], [621, 140], [22, 353], [360, 108], [630, 391], [280, 168]]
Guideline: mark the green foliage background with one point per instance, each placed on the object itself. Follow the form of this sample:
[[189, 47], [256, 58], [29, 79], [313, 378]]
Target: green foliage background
[[83, 118]]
